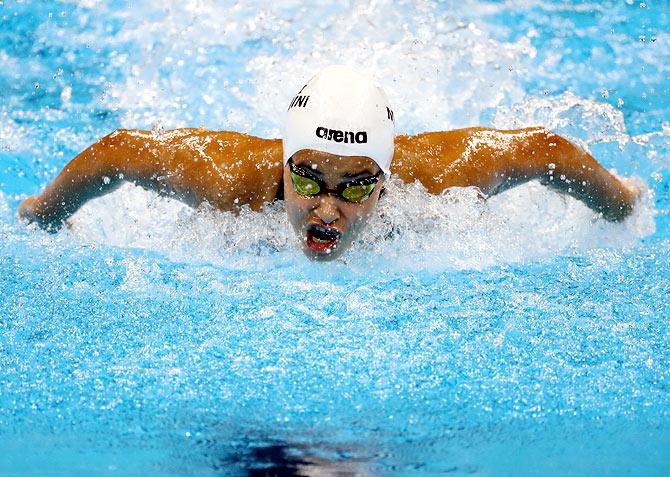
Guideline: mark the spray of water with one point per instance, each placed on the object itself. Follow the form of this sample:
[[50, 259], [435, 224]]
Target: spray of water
[[439, 72]]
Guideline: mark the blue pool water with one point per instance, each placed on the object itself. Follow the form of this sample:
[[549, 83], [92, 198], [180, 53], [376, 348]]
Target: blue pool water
[[521, 336]]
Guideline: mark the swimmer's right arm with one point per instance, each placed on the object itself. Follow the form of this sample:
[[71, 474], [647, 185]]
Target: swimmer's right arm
[[190, 165], [97, 170]]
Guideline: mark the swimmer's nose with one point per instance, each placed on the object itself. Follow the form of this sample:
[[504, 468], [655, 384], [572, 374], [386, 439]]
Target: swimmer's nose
[[327, 210]]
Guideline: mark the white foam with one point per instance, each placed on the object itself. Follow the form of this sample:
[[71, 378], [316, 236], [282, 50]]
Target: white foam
[[586, 121], [133, 217], [13, 138], [438, 72], [412, 229]]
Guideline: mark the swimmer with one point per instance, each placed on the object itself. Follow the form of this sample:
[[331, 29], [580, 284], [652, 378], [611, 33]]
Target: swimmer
[[338, 149]]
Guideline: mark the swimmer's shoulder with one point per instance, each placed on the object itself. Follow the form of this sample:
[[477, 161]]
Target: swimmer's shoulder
[[473, 156], [226, 148], [219, 141], [444, 147], [227, 168], [254, 162], [425, 155], [258, 159]]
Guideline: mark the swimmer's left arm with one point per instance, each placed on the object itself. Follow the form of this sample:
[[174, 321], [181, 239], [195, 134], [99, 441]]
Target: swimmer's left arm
[[494, 161], [537, 153]]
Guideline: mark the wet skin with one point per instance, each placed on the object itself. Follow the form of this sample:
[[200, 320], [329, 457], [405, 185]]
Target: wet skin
[[229, 170], [327, 210]]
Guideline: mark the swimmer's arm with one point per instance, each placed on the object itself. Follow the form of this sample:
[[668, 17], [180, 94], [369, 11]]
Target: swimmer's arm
[[495, 161], [225, 169], [97, 170], [537, 153]]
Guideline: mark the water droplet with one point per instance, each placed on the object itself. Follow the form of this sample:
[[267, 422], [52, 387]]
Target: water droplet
[[66, 94]]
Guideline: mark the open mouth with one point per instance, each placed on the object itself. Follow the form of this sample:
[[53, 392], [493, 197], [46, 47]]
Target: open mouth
[[322, 239]]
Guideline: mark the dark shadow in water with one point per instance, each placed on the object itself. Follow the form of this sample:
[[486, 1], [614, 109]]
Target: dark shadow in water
[[284, 460], [278, 461]]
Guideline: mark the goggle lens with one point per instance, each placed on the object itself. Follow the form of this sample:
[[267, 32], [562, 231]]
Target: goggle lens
[[356, 193], [304, 185]]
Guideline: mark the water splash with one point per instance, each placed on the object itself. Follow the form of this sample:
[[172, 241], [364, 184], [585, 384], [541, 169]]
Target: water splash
[[412, 228], [457, 69]]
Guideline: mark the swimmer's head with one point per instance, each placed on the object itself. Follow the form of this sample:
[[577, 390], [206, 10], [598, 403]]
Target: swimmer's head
[[338, 147], [343, 112]]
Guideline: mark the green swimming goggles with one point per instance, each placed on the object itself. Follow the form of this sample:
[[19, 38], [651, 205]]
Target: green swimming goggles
[[306, 184]]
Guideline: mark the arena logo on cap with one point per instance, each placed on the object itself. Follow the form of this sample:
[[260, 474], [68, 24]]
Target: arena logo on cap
[[360, 137]]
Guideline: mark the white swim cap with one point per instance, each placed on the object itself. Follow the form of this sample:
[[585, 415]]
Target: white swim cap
[[343, 112]]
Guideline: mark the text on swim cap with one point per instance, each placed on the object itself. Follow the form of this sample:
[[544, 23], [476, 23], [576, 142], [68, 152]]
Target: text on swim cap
[[299, 101], [336, 135], [389, 113]]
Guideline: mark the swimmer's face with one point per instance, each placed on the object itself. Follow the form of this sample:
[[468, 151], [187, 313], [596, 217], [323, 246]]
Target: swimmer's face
[[326, 223]]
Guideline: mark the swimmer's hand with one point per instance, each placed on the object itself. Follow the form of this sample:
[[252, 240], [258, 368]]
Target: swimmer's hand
[[29, 213], [629, 194], [26, 210], [635, 187]]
